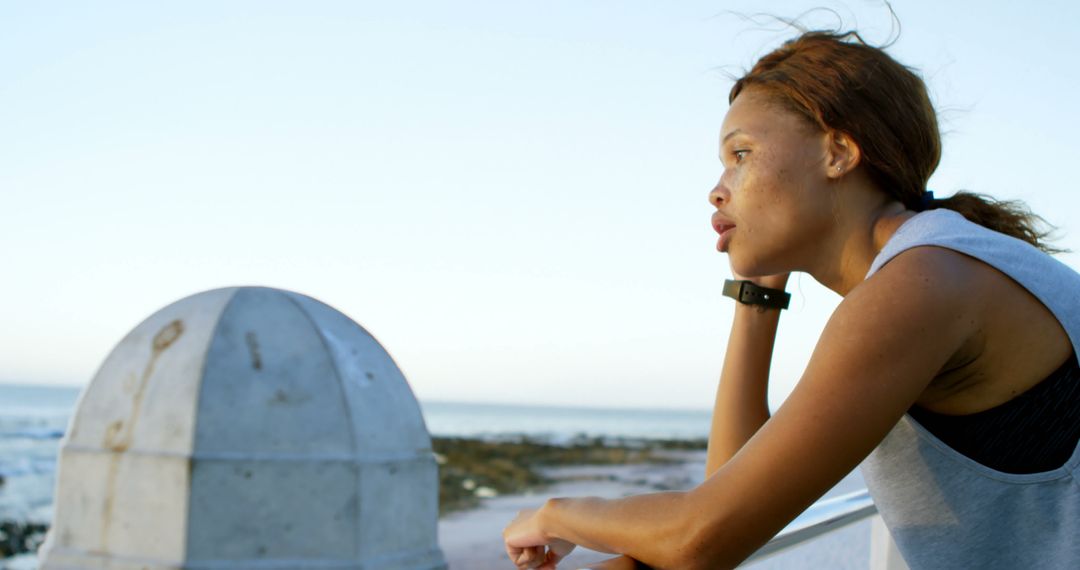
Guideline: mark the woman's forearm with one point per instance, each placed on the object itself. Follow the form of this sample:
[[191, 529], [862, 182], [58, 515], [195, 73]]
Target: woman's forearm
[[656, 528], [741, 406]]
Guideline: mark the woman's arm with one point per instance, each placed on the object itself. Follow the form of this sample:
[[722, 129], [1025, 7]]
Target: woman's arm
[[879, 351], [742, 406], [657, 522]]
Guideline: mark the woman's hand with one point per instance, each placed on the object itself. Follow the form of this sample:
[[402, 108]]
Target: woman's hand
[[527, 545]]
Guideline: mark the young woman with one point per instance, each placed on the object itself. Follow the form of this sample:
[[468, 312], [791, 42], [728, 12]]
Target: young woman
[[948, 371]]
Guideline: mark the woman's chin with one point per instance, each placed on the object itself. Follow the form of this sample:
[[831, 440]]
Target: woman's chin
[[723, 242], [751, 270]]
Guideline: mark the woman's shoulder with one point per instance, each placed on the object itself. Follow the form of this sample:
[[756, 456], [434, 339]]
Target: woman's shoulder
[[932, 269], [965, 251], [1010, 338], [948, 229], [938, 282]]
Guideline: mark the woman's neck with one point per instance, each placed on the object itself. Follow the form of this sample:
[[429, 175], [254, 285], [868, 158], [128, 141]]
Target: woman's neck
[[856, 242]]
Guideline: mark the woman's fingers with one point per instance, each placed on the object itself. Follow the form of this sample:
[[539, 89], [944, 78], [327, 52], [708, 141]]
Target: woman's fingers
[[521, 557], [541, 557], [531, 557], [550, 562], [528, 547], [556, 551]]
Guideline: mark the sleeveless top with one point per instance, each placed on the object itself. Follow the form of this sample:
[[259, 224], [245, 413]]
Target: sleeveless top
[[943, 509], [1038, 430]]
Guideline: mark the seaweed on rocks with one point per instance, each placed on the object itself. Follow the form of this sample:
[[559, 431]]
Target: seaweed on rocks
[[20, 537], [473, 469]]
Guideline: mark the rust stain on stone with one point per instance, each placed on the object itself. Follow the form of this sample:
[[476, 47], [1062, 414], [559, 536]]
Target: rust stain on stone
[[113, 439], [168, 335], [253, 349], [281, 397], [131, 381], [107, 505], [119, 434]]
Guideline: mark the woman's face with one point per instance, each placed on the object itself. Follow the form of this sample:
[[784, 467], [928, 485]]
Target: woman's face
[[773, 202]]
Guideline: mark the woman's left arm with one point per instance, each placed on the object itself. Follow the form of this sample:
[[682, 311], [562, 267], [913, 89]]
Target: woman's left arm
[[884, 344]]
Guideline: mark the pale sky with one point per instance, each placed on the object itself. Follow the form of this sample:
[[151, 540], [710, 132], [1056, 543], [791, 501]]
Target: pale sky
[[510, 195]]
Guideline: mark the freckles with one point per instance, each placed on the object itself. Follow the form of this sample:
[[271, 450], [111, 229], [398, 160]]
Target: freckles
[[785, 174]]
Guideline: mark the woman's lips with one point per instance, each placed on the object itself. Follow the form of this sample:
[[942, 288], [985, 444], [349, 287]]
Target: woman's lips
[[725, 238], [723, 227]]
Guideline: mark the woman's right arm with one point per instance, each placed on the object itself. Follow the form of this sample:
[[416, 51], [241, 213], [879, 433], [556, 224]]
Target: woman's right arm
[[742, 405], [877, 354]]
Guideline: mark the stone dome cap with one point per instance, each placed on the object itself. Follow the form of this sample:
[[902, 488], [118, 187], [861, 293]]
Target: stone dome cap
[[246, 427]]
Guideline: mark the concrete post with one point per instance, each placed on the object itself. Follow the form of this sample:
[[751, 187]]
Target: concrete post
[[246, 428]]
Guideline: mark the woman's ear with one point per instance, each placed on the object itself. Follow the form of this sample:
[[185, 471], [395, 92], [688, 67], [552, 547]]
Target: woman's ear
[[843, 154]]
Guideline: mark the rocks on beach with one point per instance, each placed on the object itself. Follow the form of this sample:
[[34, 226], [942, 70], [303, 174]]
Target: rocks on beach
[[474, 469], [472, 538], [20, 537]]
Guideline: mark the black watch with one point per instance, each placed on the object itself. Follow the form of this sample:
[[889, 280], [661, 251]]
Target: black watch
[[748, 293]]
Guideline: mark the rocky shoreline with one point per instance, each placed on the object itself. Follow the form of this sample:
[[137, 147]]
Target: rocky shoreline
[[20, 537], [471, 470]]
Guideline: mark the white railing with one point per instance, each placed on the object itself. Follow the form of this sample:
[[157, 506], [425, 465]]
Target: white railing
[[821, 518], [829, 515]]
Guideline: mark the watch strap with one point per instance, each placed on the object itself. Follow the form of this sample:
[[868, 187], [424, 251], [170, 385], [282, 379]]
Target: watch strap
[[749, 293]]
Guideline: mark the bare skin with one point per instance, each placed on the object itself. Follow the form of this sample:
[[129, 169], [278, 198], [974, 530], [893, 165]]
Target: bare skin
[[932, 327]]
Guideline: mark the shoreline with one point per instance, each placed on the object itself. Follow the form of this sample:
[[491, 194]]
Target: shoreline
[[472, 470]]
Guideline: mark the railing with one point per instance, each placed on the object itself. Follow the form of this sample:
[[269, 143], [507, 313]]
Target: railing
[[829, 515], [821, 518]]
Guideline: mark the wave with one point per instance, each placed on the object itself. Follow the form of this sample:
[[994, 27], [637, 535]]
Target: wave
[[24, 467], [34, 433]]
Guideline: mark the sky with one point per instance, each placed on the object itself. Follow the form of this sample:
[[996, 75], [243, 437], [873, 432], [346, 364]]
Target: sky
[[510, 195]]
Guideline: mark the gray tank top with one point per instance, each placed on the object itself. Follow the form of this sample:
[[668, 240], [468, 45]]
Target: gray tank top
[[943, 509]]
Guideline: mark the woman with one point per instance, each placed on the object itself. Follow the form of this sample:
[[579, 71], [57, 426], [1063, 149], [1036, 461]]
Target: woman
[[948, 370]]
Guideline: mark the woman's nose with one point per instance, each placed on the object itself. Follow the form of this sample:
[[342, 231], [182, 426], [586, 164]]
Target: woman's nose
[[719, 194]]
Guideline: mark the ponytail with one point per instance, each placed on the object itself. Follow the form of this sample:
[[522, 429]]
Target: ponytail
[[1010, 217]]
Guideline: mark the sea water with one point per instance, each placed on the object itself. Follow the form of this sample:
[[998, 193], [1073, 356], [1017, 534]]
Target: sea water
[[32, 421], [561, 423]]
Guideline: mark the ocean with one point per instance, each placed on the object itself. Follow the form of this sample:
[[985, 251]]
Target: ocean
[[33, 420]]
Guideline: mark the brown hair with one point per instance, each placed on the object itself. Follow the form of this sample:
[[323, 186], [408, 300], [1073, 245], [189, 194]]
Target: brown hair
[[838, 82]]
